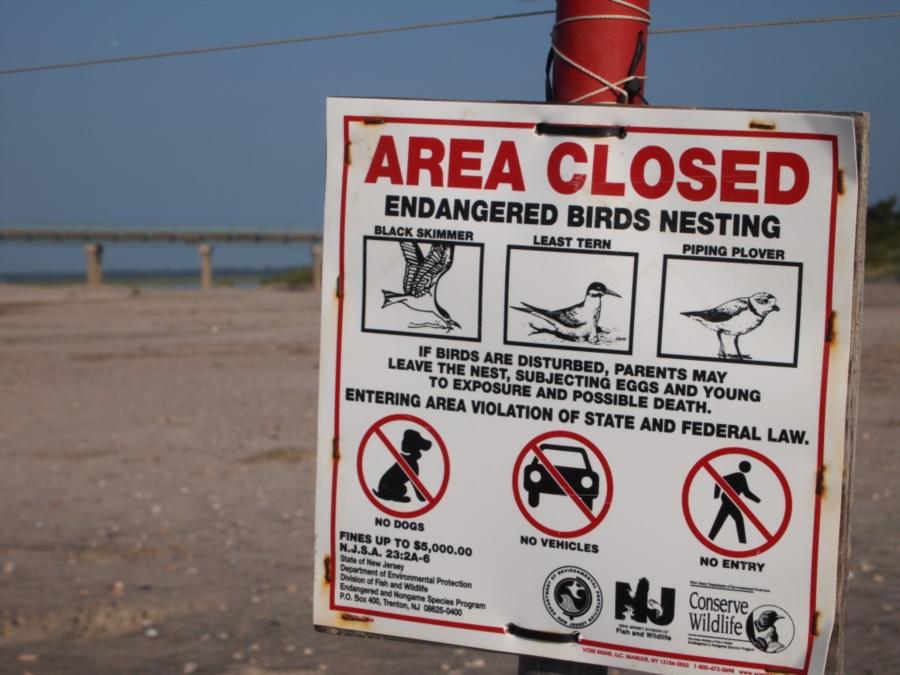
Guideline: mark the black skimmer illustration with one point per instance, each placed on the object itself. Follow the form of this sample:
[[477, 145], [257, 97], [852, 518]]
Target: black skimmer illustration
[[420, 283], [736, 317], [577, 323]]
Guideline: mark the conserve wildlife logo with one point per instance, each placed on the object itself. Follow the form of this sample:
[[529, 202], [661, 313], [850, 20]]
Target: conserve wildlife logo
[[770, 629]]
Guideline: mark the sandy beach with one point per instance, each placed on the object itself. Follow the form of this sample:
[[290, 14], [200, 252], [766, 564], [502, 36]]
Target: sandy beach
[[157, 477]]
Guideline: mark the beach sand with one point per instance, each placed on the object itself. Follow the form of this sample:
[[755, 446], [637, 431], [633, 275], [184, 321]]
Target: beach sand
[[156, 483]]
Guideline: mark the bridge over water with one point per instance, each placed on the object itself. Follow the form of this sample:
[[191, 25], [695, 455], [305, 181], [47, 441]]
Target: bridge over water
[[96, 238]]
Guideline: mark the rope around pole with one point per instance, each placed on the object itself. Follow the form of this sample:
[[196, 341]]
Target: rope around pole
[[607, 84]]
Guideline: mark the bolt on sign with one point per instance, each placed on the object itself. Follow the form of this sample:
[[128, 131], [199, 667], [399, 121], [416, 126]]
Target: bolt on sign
[[585, 375]]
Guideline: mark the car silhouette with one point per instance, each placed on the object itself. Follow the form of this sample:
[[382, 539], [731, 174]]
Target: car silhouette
[[573, 465]]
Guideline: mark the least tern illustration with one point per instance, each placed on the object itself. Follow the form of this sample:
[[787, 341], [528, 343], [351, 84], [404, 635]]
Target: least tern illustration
[[420, 283], [577, 323], [736, 317]]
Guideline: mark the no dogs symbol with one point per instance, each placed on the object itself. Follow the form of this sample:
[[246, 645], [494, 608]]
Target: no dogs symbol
[[736, 502], [566, 483], [403, 465]]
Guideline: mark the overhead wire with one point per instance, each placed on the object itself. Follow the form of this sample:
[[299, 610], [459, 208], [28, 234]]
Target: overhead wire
[[808, 21], [276, 43], [426, 26]]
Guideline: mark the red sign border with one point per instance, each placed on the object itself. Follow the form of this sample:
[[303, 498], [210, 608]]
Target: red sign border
[[397, 417], [831, 139], [607, 501], [721, 550]]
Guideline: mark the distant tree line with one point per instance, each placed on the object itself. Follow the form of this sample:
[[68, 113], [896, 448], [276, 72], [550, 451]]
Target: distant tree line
[[883, 238]]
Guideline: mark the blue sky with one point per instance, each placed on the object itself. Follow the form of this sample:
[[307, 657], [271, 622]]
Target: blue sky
[[237, 139]]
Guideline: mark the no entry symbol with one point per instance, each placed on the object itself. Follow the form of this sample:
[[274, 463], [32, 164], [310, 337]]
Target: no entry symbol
[[736, 502], [562, 484], [403, 465]]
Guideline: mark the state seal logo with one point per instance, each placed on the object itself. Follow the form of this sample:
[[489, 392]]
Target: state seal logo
[[572, 597]]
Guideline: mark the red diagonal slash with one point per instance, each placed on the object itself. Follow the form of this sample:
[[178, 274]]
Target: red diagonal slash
[[407, 469], [563, 483], [733, 496]]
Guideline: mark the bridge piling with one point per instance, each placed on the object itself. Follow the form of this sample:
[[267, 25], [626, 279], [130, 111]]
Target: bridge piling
[[206, 271], [94, 264]]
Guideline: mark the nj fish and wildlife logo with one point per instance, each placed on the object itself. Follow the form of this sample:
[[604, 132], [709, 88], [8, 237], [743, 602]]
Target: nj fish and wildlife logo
[[637, 605], [572, 597], [642, 615]]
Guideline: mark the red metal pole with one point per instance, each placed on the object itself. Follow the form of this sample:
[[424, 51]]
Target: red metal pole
[[599, 53], [598, 43]]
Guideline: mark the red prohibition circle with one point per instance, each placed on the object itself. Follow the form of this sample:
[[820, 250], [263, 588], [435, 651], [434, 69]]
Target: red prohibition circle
[[607, 501], [770, 541], [374, 429]]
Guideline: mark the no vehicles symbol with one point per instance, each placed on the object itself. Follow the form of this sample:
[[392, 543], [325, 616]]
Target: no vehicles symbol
[[403, 465], [562, 484], [736, 502]]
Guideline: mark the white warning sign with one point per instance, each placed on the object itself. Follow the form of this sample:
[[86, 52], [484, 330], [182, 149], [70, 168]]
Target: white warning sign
[[579, 380]]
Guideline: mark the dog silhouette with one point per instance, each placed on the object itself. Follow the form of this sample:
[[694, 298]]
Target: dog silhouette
[[393, 484]]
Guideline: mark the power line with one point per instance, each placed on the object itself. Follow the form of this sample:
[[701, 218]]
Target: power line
[[276, 43], [774, 24], [426, 26]]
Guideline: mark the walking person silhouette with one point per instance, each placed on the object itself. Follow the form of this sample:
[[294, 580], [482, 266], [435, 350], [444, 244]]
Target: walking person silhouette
[[728, 509]]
